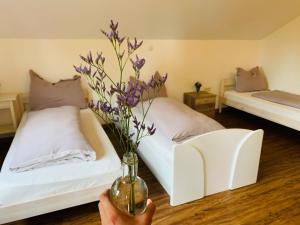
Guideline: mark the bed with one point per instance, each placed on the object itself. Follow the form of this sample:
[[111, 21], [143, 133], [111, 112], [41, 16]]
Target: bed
[[202, 165], [46, 189], [278, 113]]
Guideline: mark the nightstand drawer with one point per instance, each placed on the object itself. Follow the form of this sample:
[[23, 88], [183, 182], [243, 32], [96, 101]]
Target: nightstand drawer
[[201, 101], [205, 107]]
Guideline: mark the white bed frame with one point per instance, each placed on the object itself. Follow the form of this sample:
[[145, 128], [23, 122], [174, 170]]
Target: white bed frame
[[57, 202], [50, 204], [207, 164], [229, 84]]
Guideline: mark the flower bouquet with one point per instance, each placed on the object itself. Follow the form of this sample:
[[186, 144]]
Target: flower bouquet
[[114, 104]]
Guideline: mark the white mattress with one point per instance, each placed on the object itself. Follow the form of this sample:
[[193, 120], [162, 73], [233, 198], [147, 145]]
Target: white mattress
[[41, 183], [246, 98]]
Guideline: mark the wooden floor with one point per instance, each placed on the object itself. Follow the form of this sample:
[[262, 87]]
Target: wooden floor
[[275, 199]]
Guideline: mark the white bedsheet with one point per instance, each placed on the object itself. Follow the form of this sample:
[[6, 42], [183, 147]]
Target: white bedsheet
[[49, 181], [245, 98]]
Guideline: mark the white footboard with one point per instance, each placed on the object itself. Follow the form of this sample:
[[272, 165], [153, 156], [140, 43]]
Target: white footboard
[[188, 175], [214, 162]]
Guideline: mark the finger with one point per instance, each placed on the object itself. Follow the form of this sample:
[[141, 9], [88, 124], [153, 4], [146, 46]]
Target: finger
[[102, 198], [149, 201], [146, 217], [106, 205], [104, 193], [103, 214], [150, 210], [105, 200]]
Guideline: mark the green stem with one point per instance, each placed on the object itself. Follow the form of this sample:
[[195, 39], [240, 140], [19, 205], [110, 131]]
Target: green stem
[[132, 199], [132, 177]]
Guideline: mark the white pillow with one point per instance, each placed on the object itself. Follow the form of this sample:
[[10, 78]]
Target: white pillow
[[49, 137]]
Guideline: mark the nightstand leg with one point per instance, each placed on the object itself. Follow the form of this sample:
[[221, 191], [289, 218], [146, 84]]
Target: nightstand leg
[[13, 114]]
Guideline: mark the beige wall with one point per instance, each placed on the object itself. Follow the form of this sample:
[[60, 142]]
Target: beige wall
[[281, 57], [186, 61]]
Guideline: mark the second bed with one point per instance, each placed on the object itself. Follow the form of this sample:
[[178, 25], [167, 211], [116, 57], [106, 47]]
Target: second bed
[[53, 188], [201, 165]]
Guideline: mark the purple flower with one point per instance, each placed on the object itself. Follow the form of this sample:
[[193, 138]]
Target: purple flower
[[113, 25], [100, 58], [85, 70], [118, 88], [136, 122], [105, 107], [103, 87], [151, 130], [128, 94], [109, 36], [91, 104], [133, 46], [129, 46], [157, 81], [90, 58], [130, 97], [138, 63], [136, 44], [77, 68], [113, 34], [132, 101], [83, 58], [120, 40]]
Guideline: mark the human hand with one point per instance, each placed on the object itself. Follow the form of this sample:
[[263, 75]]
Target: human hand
[[110, 215]]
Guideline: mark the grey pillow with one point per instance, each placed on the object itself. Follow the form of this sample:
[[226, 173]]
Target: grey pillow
[[44, 94], [252, 80], [178, 121]]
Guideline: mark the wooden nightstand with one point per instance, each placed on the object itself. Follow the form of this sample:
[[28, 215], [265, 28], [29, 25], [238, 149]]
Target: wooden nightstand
[[11, 103], [203, 101]]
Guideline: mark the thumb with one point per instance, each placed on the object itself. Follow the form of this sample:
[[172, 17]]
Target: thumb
[[149, 212]]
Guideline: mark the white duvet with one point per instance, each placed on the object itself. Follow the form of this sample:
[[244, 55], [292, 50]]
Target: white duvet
[[51, 137]]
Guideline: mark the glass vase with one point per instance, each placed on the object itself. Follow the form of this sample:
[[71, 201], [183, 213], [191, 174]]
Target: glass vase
[[129, 193]]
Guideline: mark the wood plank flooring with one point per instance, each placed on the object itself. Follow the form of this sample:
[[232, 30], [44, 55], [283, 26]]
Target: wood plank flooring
[[275, 199]]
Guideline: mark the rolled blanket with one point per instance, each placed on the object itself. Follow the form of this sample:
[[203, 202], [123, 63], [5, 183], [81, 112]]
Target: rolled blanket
[[50, 137]]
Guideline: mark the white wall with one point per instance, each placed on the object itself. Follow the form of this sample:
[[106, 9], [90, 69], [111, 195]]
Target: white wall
[[186, 61], [281, 57]]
